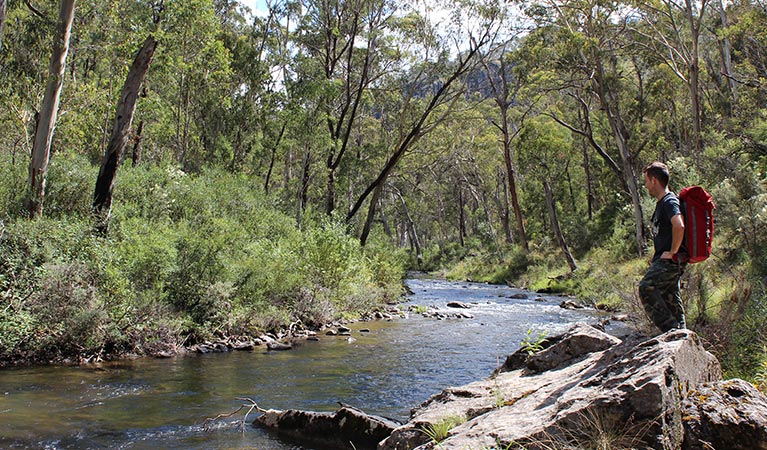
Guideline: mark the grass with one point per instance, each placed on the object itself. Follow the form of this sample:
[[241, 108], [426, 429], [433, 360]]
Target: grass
[[591, 430], [440, 430]]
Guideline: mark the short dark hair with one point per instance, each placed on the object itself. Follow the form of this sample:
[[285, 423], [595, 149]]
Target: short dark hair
[[657, 170]]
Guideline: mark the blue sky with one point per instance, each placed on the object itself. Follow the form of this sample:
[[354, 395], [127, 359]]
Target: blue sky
[[255, 5]]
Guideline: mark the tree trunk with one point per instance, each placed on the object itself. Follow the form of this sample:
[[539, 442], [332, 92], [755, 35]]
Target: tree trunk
[[511, 175], [41, 148], [371, 214], [589, 183], [555, 226], [725, 50], [137, 145], [504, 95], [303, 193], [3, 6], [695, 101], [384, 220], [126, 107], [461, 218], [610, 105], [416, 242], [330, 196], [274, 154], [503, 207]]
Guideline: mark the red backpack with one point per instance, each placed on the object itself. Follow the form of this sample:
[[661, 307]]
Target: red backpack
[[698, 210]]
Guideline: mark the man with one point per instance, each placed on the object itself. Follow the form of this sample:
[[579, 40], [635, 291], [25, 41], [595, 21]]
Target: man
[[659, 289]]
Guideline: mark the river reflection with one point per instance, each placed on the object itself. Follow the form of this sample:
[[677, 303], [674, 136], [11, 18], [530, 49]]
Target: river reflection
[[153, 403]]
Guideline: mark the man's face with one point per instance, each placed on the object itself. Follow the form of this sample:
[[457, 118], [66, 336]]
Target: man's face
[[651, 184]]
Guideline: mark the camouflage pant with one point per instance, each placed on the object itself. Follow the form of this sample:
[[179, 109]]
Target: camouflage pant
[[659, 291]]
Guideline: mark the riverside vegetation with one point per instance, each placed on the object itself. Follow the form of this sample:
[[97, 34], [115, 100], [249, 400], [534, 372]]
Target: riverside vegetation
[[188, 258], [291, 164]]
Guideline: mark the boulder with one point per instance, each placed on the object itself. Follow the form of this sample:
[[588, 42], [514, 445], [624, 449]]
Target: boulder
[[569, 304], [347, 428], [242, 345], [595, 386], [455, 304], [729, 414], [581, 389], [581, 340], [278, 346]]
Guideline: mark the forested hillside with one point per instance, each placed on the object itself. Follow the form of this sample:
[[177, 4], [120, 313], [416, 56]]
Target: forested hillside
[[259, 167]]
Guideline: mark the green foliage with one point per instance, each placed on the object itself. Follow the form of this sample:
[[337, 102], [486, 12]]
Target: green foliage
[[760, 379], [496, 267], [187, 256], [743, 354], [533, 344], [440, 430]]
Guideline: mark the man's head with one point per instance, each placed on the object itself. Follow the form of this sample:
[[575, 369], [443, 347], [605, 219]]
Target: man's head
[[656, 178]]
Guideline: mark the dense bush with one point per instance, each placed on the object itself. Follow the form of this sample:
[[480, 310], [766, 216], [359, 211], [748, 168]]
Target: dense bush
[[187, 257]]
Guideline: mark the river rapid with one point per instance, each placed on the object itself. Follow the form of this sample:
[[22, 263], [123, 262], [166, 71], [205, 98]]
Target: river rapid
[[387, 369]]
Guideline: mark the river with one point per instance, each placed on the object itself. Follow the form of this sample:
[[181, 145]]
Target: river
[[161, 403]]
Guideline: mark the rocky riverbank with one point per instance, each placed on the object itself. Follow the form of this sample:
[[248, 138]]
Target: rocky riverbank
[[582, 389]]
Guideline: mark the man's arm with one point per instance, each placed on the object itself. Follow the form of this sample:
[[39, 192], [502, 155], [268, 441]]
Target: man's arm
[[677, 235]]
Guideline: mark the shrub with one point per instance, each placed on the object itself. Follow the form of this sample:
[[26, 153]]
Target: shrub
[[187, 257], [68, 313]]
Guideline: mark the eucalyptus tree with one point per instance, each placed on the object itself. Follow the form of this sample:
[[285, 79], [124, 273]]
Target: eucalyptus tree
[[126, 108], [343, 40], [672, 30], [588, 36], [41, 148], [544, 157], [505, 84], [431, 82]]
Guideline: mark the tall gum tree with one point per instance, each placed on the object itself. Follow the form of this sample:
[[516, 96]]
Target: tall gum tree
[[126, 107], [343, 38], [588, 35], [41, 147], [429, 96], [672, 31], [505, 84]]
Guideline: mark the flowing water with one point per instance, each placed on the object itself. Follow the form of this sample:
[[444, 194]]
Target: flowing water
[[162, 403]]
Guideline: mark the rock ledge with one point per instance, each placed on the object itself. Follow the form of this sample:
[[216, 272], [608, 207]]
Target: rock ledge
[[664, 393]]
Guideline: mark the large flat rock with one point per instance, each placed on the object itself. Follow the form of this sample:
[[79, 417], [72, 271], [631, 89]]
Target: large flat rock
[[628, 388]]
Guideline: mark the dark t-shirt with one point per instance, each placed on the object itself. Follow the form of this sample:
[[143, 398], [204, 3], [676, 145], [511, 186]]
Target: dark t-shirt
[[665, 209]]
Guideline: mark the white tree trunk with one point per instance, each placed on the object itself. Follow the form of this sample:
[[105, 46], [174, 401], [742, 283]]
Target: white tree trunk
[[41, 148], [3, 6]]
